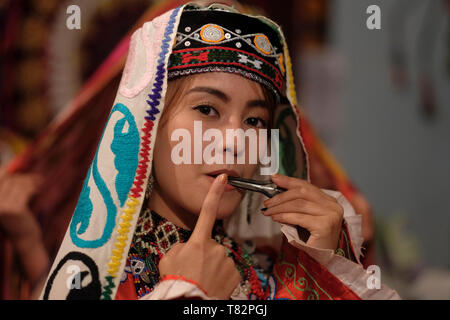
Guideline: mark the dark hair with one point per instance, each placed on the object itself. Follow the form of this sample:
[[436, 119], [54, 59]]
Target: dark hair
[[271, 100]]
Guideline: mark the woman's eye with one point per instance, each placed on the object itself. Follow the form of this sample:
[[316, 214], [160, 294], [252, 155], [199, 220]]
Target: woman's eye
[[206, 110], [256, 122]]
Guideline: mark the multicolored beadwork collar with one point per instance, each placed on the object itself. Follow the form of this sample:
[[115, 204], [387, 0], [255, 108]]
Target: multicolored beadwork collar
[[212, 40], [155, 235]]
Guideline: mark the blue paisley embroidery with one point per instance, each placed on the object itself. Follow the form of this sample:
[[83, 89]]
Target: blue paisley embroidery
[[125, 147]]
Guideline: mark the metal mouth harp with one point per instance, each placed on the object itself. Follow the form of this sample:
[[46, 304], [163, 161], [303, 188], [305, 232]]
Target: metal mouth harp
[[269, 189]]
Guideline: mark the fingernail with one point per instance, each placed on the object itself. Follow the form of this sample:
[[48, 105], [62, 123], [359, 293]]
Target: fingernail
[[263, 209], [266, 203], [223, 178], [275, 175]]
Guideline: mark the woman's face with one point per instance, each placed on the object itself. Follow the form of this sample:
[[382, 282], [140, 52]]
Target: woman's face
[[220, 101]]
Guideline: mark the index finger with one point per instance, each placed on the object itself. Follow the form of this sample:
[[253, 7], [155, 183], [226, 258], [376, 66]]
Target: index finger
[[288, 183], [208, 213]]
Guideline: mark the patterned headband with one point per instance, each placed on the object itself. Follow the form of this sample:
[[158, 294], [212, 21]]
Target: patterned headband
[[216, 40]]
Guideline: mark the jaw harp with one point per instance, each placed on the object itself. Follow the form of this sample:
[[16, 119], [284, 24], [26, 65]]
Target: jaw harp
[[269, 189]]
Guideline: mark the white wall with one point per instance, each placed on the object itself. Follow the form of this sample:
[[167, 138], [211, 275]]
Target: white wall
[[397, 158]]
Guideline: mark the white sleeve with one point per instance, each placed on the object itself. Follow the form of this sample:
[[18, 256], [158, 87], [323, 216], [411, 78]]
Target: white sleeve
[[175, 289]]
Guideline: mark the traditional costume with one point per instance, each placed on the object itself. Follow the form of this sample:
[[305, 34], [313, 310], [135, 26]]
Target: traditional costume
[[118, 241]]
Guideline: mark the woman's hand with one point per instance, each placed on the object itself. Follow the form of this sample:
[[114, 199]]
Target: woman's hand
[[20, 226], [201, 259], [16, 219], [305, 205]]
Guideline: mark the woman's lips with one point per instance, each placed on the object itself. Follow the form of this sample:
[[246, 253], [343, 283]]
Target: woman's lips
[[231, 173]]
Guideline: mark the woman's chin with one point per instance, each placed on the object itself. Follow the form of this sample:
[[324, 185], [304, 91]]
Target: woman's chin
[[225, 209]]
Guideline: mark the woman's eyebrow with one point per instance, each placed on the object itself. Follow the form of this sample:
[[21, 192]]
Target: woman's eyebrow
[[258, 103], [221, 95]]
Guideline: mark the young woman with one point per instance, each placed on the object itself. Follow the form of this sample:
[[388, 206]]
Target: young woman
[[150, 226]]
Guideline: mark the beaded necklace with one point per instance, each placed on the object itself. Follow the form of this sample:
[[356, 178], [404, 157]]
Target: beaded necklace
[[155, 235]]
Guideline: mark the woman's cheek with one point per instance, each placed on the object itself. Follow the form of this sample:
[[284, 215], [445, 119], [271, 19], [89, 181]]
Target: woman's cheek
[[187, 183]]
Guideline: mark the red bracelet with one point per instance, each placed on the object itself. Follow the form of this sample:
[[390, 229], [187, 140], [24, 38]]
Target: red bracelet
[[178, 277]]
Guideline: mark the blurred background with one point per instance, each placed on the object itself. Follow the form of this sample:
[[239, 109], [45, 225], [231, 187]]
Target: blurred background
[[378, 100]]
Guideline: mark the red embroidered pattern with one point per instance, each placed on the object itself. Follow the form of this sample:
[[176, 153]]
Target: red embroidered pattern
[[143, 164], [204, 59], [202, 56], [300, 277]]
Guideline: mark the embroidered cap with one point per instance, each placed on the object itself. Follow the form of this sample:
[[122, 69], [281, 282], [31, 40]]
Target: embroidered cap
[[218, 40]]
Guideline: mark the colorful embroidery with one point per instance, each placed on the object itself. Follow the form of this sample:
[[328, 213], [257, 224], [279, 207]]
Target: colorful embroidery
[[212, 33], [202, 56], [300, 277], [281, 64], [107, 290], [292, 280], [300, 283], [141, 172], [253, 47], [149, 246], [132, 67], [88, 290], [125, 146], [123, 230], [196, 58], [262, 43]]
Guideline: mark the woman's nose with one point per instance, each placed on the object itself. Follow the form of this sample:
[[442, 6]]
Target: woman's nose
[[234, 139]]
